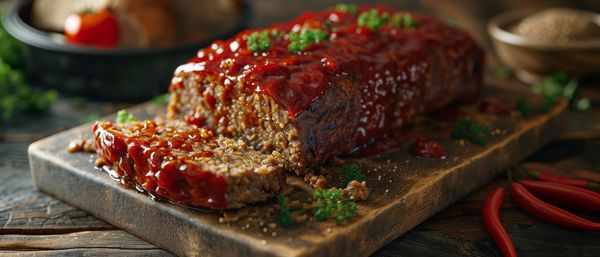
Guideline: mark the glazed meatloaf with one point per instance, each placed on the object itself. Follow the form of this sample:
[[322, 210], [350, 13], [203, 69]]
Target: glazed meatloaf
[[328, 82], [187, 164]]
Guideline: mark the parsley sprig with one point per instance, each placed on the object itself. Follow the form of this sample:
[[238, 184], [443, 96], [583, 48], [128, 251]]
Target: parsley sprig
[[471, 130], [285, 217], [404, 20], [306, 37], [557, 85], [372, 19], [161, 100], [552, 88], [124, 117], [330, 204], [347, 8], [259, 41], [351, 171], [16, 95]]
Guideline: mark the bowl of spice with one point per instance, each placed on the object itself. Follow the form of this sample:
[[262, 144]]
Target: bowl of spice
[[537, 43]]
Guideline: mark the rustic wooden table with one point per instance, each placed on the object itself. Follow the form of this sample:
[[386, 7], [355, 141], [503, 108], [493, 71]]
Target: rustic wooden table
[[34, 224]]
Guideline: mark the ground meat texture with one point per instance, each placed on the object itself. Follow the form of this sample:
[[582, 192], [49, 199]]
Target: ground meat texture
[[342, 93], [187, 164]]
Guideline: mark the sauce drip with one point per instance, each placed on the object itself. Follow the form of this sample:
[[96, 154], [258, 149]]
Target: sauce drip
[[427, 148]]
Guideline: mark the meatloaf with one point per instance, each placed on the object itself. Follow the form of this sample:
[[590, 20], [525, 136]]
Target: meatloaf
[[327, 82], [187, 164]]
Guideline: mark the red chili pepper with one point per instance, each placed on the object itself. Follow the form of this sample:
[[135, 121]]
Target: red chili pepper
[[491, 220], [565, 194], [548, 212], [553, 177]]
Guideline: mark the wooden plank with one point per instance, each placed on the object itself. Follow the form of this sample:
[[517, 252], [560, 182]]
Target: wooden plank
[[88, 239], [27, 211], [88, 252], [405, 192]]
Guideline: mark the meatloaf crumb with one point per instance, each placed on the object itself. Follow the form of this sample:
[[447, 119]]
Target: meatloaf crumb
[[357, 191]]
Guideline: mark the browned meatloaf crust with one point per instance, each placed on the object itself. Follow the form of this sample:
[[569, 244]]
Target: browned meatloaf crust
[[187, 164], [339, 94]]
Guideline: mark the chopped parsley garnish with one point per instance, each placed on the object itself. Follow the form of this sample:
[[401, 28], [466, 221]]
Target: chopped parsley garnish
[[351, 171], [583, 104], [557, 85], [275, 33], [259, 41], [285, 217], [347, 8], [16, 95], [471, 130], [503, 72], [330, 204], [161, 100], [404, 20], [525, 108], [124, 117], [372, 19], [306, 37], [552, 88]]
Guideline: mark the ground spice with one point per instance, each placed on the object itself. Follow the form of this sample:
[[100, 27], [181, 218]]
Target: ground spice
[[559, 25]]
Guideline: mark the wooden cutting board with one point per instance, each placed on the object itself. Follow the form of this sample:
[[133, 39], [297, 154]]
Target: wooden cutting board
[[404, 191]]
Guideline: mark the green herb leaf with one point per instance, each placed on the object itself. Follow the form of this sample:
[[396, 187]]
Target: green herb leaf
[[124, 117], [351, 171], [306, 37], [503, 72], [524, 107], [556, 85], [347, 8], [161, 100], [331, 205], [285, 217], [372, 19], [404, 20], [583, 104], [259, 41], [471, 130], [16, 95]]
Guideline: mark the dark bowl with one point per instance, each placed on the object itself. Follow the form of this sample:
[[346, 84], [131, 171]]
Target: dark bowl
[[103, 74]]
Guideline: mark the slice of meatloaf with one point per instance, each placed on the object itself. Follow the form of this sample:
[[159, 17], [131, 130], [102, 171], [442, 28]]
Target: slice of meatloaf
[[328, 82], [187, 164]]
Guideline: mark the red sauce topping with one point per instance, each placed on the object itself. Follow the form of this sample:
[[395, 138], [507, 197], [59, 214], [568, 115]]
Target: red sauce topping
[[161, 160], [493, 107], [390, 63], [428, 148]]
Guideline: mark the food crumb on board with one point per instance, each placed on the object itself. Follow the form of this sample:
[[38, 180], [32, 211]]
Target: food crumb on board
[[81, 145], [274, 234], [329, 230], [263, 242]]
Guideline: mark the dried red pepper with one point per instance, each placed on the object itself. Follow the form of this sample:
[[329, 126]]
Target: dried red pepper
[[491, 220], [553, 177], [548, 212], [565, 194]]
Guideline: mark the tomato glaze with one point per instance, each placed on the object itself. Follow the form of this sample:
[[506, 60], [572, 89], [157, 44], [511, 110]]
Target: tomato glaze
[[427, 148], [392, 65], [162, 162]]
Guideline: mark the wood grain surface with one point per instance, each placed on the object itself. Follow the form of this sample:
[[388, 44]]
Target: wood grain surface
[[455, 231]]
